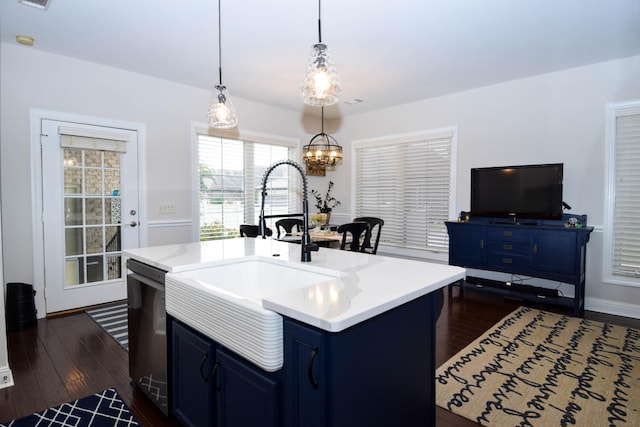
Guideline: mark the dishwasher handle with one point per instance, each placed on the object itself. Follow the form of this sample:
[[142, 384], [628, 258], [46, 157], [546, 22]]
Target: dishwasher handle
[[147, 281]]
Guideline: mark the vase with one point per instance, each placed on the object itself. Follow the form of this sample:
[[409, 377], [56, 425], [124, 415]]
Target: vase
[[327, 217]]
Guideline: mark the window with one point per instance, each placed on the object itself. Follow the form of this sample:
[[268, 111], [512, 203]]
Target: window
[[622, 230], [407, 181], [230, 173]]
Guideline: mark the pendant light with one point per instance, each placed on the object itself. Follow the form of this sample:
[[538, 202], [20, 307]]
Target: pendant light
[[222, 113], [321, 85], [322, 150]]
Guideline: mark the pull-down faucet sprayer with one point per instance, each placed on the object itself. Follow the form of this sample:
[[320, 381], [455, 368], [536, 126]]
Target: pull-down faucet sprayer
[[306, 244]]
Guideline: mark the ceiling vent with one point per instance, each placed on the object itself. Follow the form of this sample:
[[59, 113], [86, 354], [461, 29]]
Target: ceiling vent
[[38, 4]]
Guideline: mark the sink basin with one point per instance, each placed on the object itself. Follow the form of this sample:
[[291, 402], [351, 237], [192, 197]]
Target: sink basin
[[255, 279], [224, 302]]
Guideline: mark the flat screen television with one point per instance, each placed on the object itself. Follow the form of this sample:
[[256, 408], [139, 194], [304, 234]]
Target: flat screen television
[[529, 191]]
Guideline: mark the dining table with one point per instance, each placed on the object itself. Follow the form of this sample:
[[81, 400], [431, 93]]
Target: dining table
[[325, 238]]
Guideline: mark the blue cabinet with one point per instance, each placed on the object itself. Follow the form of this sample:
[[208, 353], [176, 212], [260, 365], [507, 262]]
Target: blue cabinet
[[193, 388], [246, 396], [213, 387], [540, 248], [379, 372]]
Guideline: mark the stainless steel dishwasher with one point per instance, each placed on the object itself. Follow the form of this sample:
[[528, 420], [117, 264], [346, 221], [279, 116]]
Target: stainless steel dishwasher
[[148, 332]]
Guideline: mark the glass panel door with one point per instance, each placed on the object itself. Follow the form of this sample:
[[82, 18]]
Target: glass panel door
[[92, 216]]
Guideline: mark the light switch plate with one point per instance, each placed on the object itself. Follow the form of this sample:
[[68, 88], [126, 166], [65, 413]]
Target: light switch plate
[[167, 208]]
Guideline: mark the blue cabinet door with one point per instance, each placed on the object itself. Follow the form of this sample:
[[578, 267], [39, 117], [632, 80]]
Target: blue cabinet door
[[306, 383], [245, 396], [556, 254], [467, 244], [192, 377]]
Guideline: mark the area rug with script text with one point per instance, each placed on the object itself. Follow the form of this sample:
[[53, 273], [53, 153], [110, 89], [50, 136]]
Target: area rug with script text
[[104, 409], [535, 368]]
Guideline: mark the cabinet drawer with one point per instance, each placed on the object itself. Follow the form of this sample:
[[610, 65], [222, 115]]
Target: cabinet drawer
[[509, 247], [513, 234], [502, 261]]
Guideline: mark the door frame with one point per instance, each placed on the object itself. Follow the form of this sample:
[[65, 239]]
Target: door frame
[[37, 219]]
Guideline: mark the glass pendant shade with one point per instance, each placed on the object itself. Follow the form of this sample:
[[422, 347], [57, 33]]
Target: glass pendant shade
[[222, 113], [321, 85], [322, 150]]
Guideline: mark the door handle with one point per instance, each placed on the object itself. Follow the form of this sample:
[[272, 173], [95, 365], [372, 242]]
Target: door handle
[[132, 224]]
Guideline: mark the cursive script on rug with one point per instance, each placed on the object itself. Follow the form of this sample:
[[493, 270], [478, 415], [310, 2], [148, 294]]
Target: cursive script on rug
[[535, 368]]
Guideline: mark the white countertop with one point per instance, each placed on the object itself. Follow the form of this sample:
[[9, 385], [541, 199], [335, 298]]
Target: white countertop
[[368, 284]]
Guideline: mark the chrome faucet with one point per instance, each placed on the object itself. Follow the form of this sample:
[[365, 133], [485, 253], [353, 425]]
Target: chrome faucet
[[306, 244]]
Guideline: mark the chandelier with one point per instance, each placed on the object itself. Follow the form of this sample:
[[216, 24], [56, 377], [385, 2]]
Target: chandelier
[[322, 150], [222, 113], [321, 85]]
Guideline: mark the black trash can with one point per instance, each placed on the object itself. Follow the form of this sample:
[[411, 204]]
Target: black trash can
[[20, 306]]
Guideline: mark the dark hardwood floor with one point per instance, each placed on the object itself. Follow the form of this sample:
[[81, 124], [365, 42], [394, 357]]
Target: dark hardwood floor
[[69, 357]]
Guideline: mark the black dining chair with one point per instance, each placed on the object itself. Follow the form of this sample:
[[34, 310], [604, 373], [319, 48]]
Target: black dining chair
[[288, 224], [359, 232], [250, 230], [375, 225]]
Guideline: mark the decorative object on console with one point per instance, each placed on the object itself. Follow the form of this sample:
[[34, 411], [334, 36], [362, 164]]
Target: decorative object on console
[[222, 113], [322, 151], [321, 85]]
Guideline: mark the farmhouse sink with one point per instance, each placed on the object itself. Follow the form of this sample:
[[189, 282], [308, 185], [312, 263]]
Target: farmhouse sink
[[224, 302]]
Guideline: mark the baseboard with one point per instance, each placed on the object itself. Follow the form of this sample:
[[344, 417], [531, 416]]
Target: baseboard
[[6, 378], [612, 307]]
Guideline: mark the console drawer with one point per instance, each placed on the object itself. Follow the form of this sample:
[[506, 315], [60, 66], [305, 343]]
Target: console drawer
[[509, 247], [513, 234], [508, 262]]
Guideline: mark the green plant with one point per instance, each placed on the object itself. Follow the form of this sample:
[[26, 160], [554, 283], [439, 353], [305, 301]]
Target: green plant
[[328, 202]]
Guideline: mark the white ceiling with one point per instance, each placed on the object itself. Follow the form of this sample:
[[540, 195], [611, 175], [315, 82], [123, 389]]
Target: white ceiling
[[386, 53]]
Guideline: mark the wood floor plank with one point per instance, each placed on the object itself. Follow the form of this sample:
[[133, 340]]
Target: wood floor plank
[[68, 357]]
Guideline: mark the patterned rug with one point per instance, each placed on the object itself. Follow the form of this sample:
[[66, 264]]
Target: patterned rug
[[104, 409], [535, 368], [113, 319]]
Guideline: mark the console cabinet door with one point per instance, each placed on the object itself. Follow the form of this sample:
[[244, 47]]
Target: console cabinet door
[[467, 244], [305, 350], [555, 254], [246, 396], [192, 374]]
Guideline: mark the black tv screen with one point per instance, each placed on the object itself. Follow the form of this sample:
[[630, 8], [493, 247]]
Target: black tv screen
[[530, 191]]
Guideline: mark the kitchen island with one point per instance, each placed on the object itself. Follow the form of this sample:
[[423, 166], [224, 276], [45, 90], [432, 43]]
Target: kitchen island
[[344, 340]]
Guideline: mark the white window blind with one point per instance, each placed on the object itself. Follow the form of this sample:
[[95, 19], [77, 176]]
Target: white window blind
[[626, 223], [408, 184], [230, 177], [89, 139]]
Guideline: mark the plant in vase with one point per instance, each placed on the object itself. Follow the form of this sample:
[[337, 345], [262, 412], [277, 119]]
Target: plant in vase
[[324, 204]]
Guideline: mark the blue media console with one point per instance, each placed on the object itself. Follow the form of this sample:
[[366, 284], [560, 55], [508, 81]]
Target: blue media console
[[542, 248]]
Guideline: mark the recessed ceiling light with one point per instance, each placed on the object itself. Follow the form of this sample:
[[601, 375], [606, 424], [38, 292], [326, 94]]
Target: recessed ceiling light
[[38, 4], [25, 40], [354, 101]]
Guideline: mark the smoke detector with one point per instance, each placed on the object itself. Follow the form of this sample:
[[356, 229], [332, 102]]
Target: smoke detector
[[38, 4]]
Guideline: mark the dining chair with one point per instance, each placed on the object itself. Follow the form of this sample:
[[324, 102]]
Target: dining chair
[[359, 232], [287, 224], [376, 228], [250, 230]]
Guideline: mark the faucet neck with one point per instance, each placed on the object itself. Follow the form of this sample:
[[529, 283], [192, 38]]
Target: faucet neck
[[306, 244]]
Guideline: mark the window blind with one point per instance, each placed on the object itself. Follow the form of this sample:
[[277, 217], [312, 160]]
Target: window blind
[[626, 224], [230, 178], [408, 184]]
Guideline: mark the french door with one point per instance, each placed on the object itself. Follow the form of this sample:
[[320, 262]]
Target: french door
[[90, 212]]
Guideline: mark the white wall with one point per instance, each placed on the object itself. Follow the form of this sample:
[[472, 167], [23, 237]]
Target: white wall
[[557, 117]]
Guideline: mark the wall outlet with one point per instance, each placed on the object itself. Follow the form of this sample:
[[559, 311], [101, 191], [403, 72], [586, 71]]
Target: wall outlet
[[167, 208]]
